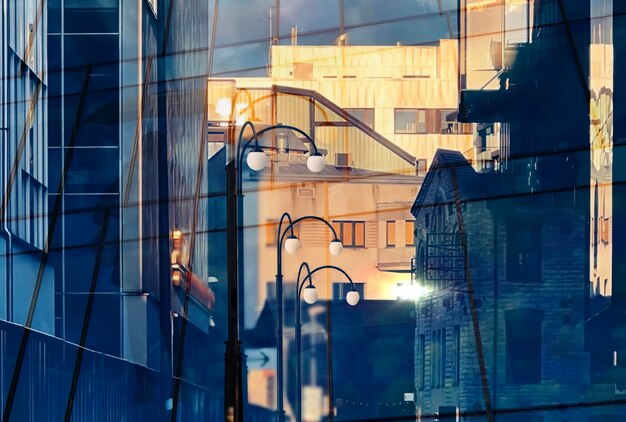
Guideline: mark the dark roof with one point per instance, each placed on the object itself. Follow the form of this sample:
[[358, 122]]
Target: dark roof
[[295, 171], [470, 183]]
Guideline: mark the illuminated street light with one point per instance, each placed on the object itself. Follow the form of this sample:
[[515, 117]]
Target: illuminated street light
[[292, 244], [352, 297], [310, 296], [316, 162], [336, 247], [256, 160]]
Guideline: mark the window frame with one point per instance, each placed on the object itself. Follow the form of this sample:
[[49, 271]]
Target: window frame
[[390, 227], [518, 322], [338, 225], [456, 355], [358, 111], [524, 242], [409, 234], [417, 121], [421, 380]]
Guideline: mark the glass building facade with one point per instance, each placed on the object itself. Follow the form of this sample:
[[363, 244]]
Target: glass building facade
[[149, 267]]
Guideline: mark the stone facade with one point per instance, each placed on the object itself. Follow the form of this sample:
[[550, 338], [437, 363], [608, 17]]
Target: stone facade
[[543, 317]]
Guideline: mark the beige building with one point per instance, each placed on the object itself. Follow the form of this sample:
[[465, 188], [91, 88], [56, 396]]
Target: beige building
[[407, 94], [379, 114]]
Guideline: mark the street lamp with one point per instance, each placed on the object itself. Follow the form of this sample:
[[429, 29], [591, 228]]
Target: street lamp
[[309, 293], [256, 160], [412, 290], [292, 244]]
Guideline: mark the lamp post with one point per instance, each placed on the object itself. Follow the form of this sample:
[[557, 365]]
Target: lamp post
[[256, 160], [310, 296], [292, 244]]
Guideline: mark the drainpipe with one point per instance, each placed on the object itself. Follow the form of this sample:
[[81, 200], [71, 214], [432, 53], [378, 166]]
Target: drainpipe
[[5, 163]]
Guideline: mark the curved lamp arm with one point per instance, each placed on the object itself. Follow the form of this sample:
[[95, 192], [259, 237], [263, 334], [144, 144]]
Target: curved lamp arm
[[255, 138], [241, 150], [298, 220], [287, 216], [303, 266], [332, 267], [295, 129]]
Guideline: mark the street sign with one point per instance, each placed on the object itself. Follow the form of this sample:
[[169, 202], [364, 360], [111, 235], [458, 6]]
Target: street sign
[[261, 358], [409, 396]]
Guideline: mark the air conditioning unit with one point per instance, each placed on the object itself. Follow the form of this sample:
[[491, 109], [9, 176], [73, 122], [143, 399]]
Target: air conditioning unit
[[343, 160], [305, 193]]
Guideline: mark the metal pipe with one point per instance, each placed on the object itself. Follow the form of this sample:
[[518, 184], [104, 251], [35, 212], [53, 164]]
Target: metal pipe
[[298, 403]]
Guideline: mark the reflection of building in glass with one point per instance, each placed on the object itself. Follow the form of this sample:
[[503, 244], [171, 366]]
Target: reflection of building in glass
[[513, 329], [368, 207], [501, 291], [372, 110], [601, 141], [406, 94], [103, 165], [23, 163]]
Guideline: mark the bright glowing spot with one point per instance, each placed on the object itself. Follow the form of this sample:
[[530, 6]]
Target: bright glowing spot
[[223, 107], [407, 291]]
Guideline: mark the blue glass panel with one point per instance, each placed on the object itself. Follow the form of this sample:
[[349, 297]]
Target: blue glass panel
[[99, 116], [103, 332], [84, 220], [91, 16], [92, 170]]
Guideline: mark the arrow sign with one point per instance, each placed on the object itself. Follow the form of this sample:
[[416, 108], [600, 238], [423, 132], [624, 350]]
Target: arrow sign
[[263, 358]]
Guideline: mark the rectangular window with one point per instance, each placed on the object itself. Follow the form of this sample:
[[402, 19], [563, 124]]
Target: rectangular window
[[366, 115], [351, 233], [523, 346], [410, 121], [421, 382], [438, 358], [434, 358], [442, 364], [91, 16], [391, 234], [409, 233], [523, 251], [456, 355], [450, 125]]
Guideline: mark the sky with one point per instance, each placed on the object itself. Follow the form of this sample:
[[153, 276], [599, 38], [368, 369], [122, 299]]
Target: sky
[[243, 27]]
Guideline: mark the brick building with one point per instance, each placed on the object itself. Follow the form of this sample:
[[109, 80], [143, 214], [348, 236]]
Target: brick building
[[521, 318], [502, 323]]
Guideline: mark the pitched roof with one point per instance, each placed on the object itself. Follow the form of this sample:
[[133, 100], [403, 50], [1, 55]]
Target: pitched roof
[[470, 183]]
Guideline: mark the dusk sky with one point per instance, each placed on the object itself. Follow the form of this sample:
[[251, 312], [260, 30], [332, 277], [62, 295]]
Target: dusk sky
[[242, 38]]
